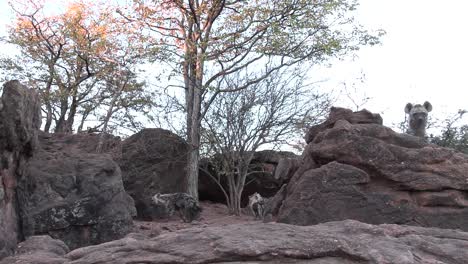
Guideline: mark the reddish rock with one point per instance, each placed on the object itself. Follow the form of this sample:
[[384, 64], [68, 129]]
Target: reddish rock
[[332, 243], [337, 113], [372, 174]]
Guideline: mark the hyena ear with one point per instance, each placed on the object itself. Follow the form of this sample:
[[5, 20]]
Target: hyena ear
[[408, 107], [428, 106]]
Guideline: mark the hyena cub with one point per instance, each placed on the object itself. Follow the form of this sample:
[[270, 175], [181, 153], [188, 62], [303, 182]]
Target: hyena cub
[[257, 205], [185, 205], [418, 118]]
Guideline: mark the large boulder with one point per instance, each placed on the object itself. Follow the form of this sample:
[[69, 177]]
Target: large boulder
[[268, 171], [337, 113], [153, 160], [348, 242], [367, 172], [39, 250], [72, 195], [20, 118]]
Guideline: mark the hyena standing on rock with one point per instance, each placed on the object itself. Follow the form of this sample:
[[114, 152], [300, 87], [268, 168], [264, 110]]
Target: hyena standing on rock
[[418, 118], [257, 205], [186, 206]]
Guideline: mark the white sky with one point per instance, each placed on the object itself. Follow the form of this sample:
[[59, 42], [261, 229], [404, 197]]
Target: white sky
[[424, 56]]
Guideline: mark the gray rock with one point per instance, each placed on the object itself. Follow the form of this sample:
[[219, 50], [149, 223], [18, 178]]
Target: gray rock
[[286, 168], [20, 118], [38, 250], [73, 195], [153, 160]]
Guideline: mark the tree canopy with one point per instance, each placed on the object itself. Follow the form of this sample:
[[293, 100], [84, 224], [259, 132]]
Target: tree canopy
[[205, 41], [84, 61], [70, 56]]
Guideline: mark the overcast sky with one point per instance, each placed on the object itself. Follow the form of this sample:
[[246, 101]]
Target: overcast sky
[[424, 56]]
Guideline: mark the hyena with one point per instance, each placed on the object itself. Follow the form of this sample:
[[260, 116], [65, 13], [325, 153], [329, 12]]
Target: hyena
[[257, 205], [418, 118], [185, 205]]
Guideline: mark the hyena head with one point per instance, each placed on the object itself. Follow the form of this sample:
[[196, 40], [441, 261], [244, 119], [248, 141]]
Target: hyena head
[[418, 118], [158, 199], [254, 198]]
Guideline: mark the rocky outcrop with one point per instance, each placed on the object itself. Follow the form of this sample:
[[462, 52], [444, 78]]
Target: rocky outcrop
[[75, 196], [39, 250], [337, 113], [20, 118], [87, 142], [286, 168], [334, 242], [367, 172], [263, 178], [153, 160]]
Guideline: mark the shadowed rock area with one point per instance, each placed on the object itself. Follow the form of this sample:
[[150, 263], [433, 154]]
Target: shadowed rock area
[[39, 250], [53, 183], [20, 119], [334, 242], [368, 172], [73, 195], [268, 171], [153, 160]]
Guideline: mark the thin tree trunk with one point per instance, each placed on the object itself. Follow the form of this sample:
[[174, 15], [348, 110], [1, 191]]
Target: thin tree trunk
[[48, 122], [47, 102], [193, 77], [108, 117], [194, 155]]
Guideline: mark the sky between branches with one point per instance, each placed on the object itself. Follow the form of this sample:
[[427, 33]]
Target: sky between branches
[[424, 56]]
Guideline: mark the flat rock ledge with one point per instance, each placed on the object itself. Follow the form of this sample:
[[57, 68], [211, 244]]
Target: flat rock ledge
[[346, 241]]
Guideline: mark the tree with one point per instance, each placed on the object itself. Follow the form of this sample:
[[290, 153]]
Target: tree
[[208, 40], [264, 114], [70, 56], [451, 135]]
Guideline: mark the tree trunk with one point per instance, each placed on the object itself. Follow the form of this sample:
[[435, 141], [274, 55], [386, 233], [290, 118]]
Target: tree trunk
[[194, 141], [48, 122], [108, 117]]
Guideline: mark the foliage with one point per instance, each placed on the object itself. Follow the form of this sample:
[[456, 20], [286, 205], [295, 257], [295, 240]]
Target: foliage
[[453, 136], [206, 41], [70, 56], [266, 114]]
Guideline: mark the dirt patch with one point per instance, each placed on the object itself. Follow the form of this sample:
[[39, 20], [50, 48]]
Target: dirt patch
[[213, 214]]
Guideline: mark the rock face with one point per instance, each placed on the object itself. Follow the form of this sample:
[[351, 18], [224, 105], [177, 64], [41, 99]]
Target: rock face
[[367, 172], [276, 166], [39, 250], [75, 196], [20, 118], [337, 113], [331, 243], [153, 160]]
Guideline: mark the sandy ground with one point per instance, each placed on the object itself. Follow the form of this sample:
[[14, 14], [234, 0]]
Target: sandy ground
[[212, 215]]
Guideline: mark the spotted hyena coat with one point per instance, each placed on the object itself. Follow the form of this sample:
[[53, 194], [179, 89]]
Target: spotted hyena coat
[[257, 205], [185, 205]]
